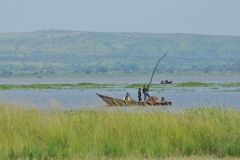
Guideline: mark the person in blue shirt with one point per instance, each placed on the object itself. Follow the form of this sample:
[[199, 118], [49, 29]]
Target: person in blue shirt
[[145, 92]]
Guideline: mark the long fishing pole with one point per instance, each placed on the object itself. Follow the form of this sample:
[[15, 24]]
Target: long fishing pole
[[156, 67]]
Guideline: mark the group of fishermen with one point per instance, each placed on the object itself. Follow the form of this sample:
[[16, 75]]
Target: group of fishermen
[[145, 93]]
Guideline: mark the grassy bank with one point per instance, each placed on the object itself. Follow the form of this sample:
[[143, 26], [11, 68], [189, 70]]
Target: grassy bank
[[110, 85], [32, 133], [195, 84], [203, 84], [69, 85], [55, 86]]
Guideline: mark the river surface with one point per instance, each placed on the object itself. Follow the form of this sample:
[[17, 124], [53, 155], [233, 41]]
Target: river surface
[[181, 97], [156, 79]]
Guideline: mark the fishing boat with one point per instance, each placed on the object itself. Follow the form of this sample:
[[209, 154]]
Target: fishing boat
[[111, 101], [166, 82]]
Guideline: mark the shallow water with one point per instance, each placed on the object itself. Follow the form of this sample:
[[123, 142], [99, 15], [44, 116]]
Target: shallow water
[[87, 98], [156, 79], [181, 97]]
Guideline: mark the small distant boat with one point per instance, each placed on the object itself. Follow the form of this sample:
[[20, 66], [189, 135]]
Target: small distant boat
[[120, 102], [166, 82]]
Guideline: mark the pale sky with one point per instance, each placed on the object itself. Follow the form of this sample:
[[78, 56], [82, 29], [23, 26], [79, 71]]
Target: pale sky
[[209, 17]]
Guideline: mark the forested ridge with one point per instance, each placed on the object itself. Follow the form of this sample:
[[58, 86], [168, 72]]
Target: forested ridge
[[77, 52]]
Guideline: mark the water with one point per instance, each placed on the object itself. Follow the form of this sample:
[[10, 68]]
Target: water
[[156, 79], [87, 99]]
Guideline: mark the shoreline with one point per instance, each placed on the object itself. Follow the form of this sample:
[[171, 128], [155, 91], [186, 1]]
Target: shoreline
[[88, 85]]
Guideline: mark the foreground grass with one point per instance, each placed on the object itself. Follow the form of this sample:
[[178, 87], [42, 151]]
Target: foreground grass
[[32, 133]]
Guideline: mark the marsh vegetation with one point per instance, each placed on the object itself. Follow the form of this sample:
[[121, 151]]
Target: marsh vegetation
[[111, 85], [27, 132], [55, 86]]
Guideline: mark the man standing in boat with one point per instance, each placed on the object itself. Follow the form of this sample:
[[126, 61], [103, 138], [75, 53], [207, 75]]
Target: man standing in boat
[[139, 94], [145, 92]]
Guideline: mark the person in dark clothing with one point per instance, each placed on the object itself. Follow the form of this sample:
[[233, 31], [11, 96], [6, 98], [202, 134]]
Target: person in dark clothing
[[127, 97], [139, 94], [145, 92], [163, 99]]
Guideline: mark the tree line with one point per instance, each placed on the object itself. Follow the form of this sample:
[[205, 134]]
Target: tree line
[[61, 51]]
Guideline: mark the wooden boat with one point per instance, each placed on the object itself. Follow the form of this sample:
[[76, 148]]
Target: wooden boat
[[120, 102], [166, 82]]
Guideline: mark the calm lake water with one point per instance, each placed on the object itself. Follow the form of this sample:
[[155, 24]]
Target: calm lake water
[[87, 99], [156, 79]]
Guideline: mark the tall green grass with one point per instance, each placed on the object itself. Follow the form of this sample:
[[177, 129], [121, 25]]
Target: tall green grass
[[31, 133]]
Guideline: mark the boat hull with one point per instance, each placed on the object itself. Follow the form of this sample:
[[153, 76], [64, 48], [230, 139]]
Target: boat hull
[[119, 102], [169, 82]]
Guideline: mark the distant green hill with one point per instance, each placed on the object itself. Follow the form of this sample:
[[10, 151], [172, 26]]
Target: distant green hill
[[69, 52]]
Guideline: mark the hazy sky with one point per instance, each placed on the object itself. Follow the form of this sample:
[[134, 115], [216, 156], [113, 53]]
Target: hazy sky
[[214, 17]]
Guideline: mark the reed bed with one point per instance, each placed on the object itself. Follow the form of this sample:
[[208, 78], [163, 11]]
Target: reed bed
[[55, 86], [111, 85], [30, 133]]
